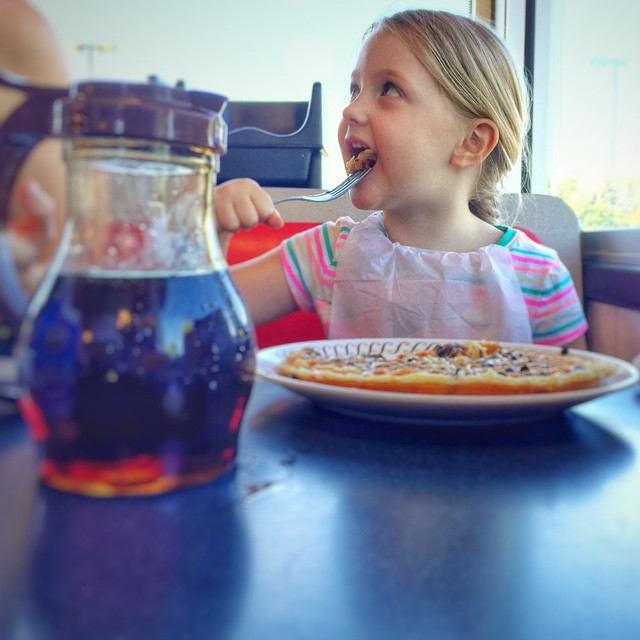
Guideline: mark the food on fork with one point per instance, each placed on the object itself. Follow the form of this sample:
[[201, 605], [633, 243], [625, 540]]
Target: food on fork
[[467, 368], [363, 160]]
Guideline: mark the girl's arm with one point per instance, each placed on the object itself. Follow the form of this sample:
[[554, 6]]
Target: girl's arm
[[243, 204], [263, 286]]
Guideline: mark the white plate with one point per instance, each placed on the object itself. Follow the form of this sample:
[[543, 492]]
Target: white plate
[[431, 408]]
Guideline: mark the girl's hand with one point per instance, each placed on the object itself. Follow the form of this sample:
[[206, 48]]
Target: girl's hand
[[243, 204]]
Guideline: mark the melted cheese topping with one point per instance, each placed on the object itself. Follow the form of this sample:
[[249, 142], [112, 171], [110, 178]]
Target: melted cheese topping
[[472, 367]]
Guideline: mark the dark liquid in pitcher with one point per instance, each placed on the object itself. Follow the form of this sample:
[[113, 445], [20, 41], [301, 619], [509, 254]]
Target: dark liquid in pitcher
[[140, 381]]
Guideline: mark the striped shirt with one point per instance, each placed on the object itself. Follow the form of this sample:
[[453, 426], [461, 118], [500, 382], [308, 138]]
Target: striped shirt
[[555, 312]]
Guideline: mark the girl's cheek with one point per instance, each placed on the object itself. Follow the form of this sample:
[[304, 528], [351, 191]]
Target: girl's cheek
[[342, 132]]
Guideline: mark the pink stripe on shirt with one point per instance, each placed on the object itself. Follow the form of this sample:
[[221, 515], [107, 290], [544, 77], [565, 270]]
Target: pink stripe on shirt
[[323, 271], [553, 300]]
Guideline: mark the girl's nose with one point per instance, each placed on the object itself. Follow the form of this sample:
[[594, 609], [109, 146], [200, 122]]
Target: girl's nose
[[354, 111]]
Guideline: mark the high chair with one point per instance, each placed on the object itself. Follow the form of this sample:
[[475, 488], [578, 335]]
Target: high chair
[[278, 144]]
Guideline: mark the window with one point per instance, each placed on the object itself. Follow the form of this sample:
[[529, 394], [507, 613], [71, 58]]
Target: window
[[586, 136]]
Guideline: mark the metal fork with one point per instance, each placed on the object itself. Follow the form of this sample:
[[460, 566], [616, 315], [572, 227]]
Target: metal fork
[[332, 194]]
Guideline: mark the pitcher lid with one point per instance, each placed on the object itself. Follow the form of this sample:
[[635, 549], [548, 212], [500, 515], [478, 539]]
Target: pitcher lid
[[150, 111]]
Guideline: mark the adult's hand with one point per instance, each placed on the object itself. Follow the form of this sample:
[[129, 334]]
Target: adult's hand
[[30, 236]]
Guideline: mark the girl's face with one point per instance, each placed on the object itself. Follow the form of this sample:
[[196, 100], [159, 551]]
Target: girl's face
[[398, 110]]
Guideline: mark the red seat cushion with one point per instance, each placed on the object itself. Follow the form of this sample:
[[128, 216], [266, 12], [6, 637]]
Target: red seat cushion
[[300, 326], [532, 235]]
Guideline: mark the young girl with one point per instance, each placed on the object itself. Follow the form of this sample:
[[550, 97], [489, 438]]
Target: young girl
[[437, 98]]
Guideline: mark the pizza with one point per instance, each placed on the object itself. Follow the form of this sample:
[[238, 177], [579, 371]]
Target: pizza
[[364, 160], [465, 367]]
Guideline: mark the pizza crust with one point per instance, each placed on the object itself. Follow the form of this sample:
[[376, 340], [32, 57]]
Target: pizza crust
[[466, 368]]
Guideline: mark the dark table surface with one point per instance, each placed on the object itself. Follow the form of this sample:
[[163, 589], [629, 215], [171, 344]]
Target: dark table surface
[[340, 528]]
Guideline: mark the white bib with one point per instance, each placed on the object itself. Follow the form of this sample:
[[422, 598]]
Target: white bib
[[384, 289]]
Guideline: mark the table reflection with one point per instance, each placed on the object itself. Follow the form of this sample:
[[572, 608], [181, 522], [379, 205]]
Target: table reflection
[[453, 525], [166, 567]]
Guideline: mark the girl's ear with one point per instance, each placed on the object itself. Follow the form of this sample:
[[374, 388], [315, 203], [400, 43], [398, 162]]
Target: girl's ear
[[480, 139]]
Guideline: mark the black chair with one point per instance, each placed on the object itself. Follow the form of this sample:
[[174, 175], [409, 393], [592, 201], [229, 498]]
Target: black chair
[[278, 144]]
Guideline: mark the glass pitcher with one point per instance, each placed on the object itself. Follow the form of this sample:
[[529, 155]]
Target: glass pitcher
[[136, 353]]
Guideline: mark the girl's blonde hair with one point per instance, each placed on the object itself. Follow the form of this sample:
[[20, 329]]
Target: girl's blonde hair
[[473, 68]]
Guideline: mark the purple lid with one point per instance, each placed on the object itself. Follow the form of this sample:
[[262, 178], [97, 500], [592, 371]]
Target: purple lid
[[148, 111]]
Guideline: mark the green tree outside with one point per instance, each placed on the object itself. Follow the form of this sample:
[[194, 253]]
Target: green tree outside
[[614, 203]]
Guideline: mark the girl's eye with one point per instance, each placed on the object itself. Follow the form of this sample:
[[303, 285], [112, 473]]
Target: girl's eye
[[354, 90], [390, 89]]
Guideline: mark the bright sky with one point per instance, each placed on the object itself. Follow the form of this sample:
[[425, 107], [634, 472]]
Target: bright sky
[[275, 50], [595, 63]]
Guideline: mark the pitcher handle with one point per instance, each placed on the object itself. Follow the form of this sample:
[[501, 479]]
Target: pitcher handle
[[24, 128]]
